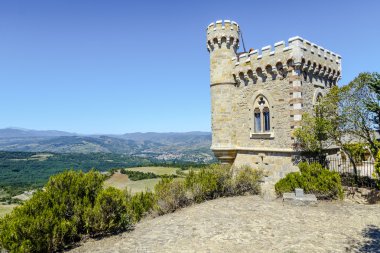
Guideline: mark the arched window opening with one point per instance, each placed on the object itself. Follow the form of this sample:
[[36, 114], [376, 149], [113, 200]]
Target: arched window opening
[[261, 115], [319, 98]]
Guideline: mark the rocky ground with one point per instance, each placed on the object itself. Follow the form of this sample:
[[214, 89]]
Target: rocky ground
[[251, 224]]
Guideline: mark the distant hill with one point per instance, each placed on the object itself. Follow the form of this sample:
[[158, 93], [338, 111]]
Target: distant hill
[[188, 138], [189, 146], [25, 133]]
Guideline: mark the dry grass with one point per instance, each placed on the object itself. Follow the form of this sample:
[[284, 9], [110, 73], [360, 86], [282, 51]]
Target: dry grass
[[4, 209], [121, 181]]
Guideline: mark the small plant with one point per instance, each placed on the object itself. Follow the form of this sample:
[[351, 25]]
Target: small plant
[[247, 181], [140, 204], [109, 214], [314, 179], [170, 195], [71, 205]]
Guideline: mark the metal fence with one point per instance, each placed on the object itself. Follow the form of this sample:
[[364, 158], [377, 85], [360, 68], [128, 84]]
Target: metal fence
[[364, 176]]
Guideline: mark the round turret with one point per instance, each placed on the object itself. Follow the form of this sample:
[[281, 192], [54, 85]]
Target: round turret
[[221, 34], [222, 44]]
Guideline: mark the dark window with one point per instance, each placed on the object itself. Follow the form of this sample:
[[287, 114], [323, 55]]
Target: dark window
[[266, 120], [257, 122]]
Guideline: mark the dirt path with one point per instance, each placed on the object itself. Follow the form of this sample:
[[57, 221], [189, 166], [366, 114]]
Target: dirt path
[[250, 224]]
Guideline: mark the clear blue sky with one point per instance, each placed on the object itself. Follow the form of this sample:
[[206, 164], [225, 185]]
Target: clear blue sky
[[91, 66]]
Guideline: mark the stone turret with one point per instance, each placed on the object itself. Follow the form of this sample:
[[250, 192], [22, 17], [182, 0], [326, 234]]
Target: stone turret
[[222, 44]]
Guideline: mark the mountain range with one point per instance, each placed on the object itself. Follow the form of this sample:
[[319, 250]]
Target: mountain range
[[192, 146]]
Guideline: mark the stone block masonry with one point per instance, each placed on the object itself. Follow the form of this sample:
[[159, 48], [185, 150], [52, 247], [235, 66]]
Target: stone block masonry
[[258, 97]]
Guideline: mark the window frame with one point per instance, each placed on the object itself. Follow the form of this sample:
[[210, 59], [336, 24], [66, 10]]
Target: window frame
[[261, 118]]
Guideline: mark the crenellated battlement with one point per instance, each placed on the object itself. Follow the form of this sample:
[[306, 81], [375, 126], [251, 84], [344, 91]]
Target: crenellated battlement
[[223, 33], [277, 61]]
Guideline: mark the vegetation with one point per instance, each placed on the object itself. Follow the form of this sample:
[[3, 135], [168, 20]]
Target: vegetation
[[108, 214], [4, 209], [137, 175], [121, 182], [311, 137], [74, 204], [158, 170], [209, 183], [313, 179], [171, 195], [56, 216], [346, 117], [22, 171], [140, 204], [377, 169], [357, 151]]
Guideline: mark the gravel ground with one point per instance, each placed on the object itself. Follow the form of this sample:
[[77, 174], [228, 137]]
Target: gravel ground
[[251, 224]]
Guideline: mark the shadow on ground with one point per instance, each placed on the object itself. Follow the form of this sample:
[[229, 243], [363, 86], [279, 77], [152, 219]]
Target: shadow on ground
[[371, 240]]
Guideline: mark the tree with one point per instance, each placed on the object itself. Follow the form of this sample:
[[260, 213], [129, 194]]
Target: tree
[[313, 137], [359, 109], [377, 169], [373, 105], [345, 116]]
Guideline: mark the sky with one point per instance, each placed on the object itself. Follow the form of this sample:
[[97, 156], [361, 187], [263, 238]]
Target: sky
[[108, 66]]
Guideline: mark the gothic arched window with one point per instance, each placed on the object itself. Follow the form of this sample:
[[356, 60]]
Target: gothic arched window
[[261, 115]]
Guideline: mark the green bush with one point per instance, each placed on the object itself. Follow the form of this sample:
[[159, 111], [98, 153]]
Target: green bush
[[202, 184], [71, 205], [140, 204], [211, 182], [109, 214], [170, 195], [208, 183], [138, 175], [313, 179], [377, 169], [247, 181]]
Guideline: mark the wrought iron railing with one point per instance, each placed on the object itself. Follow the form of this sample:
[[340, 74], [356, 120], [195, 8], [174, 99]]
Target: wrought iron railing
[[353, 174]]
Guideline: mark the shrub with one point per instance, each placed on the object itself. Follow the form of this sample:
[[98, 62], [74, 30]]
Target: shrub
[[247, 181], [140, 204], [170, 195], [203, 184], [377, 169], [210, 183], [314, 179], [109, 214], [138, 175], [71, 205]]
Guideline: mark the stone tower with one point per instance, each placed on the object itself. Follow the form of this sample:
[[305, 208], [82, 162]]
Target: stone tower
[[222, 43], [258, 97]]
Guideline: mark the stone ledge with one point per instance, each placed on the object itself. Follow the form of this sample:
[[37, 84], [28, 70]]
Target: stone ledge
[[304, 200], [264, 135]]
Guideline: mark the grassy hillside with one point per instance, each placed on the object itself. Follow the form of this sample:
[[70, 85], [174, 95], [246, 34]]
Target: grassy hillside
[[20, 171], [121, 181]]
